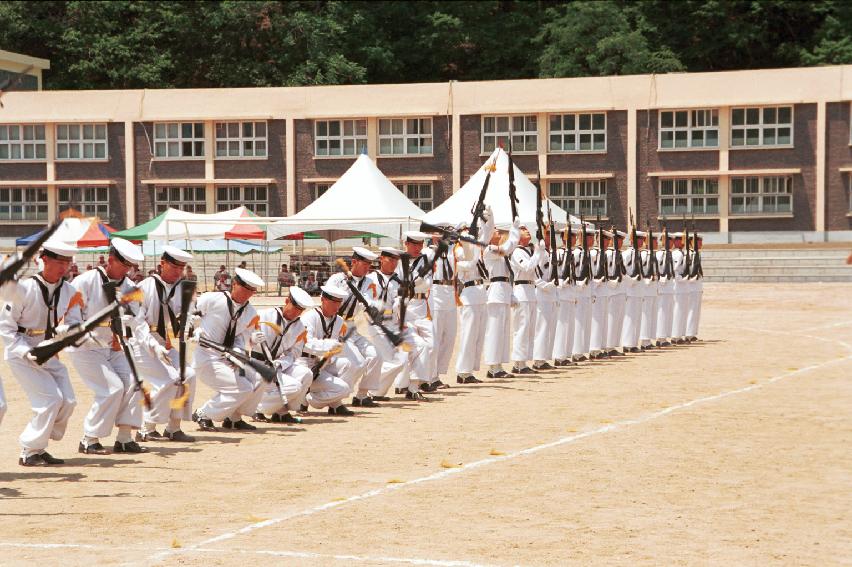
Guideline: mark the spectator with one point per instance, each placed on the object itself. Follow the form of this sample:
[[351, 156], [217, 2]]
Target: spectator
[[73, 272], [285, 278], [311, 285], [224, 283], [243, 265], [101, 261], [133, 273], [89, 267], [217, 275], [190, 275]]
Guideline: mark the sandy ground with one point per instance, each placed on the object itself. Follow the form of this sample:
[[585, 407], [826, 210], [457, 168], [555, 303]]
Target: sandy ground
[[735, 450]]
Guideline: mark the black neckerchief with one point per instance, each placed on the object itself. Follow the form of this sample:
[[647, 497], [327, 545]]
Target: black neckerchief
[[276, 344], [347, 308], [231, 333], [384, 283], [110, 289], [445, 261], [327, 327], [165, 305], [52, 304], [483, 271]]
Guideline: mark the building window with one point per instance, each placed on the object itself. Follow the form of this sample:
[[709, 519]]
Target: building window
[[419, 193], [319, 189], [758, 195], [186, 198], [179, 139], [91, 201], [340, 137], [587, 197], [81, 141], [689, 128], [22, 141], [405, 136], [689, 196], [23, 203], [578, 132], [762, 126], [498, 130], [241, 139], [254, 197]]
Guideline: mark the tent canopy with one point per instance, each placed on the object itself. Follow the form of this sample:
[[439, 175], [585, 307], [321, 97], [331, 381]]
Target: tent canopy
[[85, 232], [362, 202], [170, 225], [458, 207]]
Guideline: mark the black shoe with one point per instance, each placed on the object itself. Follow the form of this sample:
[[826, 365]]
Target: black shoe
[[380, 398], [237, 425], [149, 436], [439, 386], [93, 449], [341, 410], [259, 417], [129, 447], [416, 396], [426, 387], [275, 418], [33, 461], [544, 366], [490, 374], [178, 436], [51, 460], [524, 370], [472, 380], [204, 423], [399, 390], [287, 418], [581, 358], [665, 344], [460, 379], [303, 408], [615, 353], [635, 350], [364, 402]]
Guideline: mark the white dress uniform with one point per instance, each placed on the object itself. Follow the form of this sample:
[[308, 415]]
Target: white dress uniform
[[333, 381], [38, 308], [294, 376], [547, 307], [696, 296], [499, 302], [158, 327], [443, 309], [682, 288], [617, 298], [600, 304], [665, 298], [386, 287], [105, 369], [648, 287], [366, 362], [417, 313], [223, 321], [563, 341], [633, 309], [524, 261], [8, 294], [472, 276], [583, 308]]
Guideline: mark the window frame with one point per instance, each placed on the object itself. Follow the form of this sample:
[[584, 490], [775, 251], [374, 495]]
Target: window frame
[[690, 196], [86, 204], [509, 134], [577, 132], [406, 186], [241, 139], [81, 141], [241, 200], [30, 198], [21, 141], [689, 129], [573, 203], [357, 139], [315, 190], [406, 136], [182, 203], [760, 194], [761, 127], [180, 140]]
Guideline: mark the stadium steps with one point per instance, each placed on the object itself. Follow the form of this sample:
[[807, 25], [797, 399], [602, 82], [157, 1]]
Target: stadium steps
[[776, 265]]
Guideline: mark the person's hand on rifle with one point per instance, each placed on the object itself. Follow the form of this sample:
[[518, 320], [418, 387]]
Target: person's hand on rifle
[[162, 353], [257, 337]]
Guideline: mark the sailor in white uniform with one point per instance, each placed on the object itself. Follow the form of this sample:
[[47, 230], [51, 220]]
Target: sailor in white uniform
[[547, 306], [584, 282], [600, 296], [563, 342], [499, 302], [649, 288], [524, 261], [384, 283], [443, 306], [632, 283], [682, 289], [696, 277], [34, 315], [665, 290], [617, 294]]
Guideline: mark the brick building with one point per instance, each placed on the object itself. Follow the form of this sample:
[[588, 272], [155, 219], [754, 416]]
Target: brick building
[[753, 155]]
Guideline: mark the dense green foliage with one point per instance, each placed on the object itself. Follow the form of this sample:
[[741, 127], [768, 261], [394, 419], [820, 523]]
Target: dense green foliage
[[129, 44]]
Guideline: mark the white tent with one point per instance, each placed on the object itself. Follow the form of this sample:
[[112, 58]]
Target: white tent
[[459, 206], [362, 201]]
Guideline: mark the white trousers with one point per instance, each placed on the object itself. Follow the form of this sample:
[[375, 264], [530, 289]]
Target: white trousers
[[417, 368], [563, 339], [615, 320], [236, 394], [497, 326], [330, 387], [163, 380], [288, 393], [472, 320], [51, 396], [600, 306], [117, 403], [647, 331], [523, 332], [545, 329], [632, 322], [679, 313], [582, 325], [366, 365], [664, 315], [694, 314], [445, 327]]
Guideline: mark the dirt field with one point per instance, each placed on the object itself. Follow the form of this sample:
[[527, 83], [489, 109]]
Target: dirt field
[[736, 450]]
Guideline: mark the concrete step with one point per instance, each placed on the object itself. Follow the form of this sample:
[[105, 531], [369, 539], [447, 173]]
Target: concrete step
[[770, 260], [791, 253], [775, 279], [839, 271]]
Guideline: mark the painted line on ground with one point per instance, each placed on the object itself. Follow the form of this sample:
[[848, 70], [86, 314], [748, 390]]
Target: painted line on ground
[[446, 473]]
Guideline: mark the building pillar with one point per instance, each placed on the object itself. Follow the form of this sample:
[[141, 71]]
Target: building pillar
[[372, 137], [210, 165], [457, 152], [819, 221], [543, 144], [290, 163], [632, 170], [724, 165], [129, 175], [50, 156]]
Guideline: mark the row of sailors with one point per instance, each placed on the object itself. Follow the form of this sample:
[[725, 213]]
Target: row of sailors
[[478, 291]]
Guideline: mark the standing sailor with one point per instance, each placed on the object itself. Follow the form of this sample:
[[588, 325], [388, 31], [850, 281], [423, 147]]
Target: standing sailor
[[649, 288], [682, 288], [103, 364], [632, 282], [617, 294], [583, 310], [600, 296], [472, 276], [563, 342], [665, 287], [40, 303], [696, 276], [157, 358], [547, 305], [228, 319], [442, 306], [385, 284], [498, 304], [524, 261]]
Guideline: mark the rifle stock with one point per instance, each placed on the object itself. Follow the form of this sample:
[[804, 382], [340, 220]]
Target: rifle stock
[[9, 272], [265, 371], [47, 349]]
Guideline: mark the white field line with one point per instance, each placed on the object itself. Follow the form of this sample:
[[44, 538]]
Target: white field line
[[158, 557]]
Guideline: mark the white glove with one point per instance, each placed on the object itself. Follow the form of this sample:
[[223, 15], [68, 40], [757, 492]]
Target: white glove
[[257, 337], [196, 335], [541, 245], [62, 329], [516, 223], [126, 319], [487, 214], [548, 285], [162, 353]]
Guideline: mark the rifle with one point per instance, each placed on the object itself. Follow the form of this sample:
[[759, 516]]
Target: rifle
[[585, 261], [187, 290], [244, 361], [513, 195], [375, 315], [685, 249], [111, 290], [569, 274], [696, 271], [47, 349], [617, 261], [653, 271], [635, 272], [451, 235], [478, 210], [9, 272], [405, 288], [668, 269], [600, 272], [551, 231]]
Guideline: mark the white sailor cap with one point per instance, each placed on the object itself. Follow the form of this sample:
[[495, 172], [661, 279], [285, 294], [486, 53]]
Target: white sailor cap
[[462, 225], [301, 298], [126, 251], [641, 234], [175, 255], [619, 233], [58, 249], [247, 278], [361, 253], [416, 236], [390, 251], [334, 293], [675, 235]]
